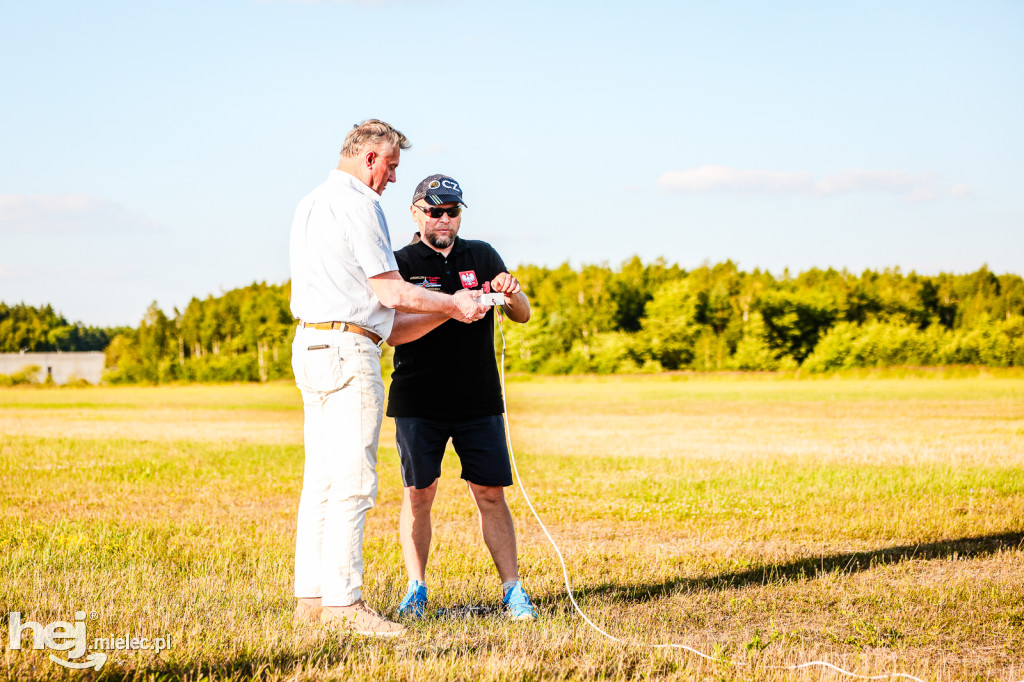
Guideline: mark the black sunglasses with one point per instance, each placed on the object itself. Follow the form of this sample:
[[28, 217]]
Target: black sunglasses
[[435, 212]]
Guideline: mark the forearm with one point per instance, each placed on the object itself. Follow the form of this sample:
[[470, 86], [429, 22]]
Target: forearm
[[413, 299], [397, 294], [518, 307], [410, 326]]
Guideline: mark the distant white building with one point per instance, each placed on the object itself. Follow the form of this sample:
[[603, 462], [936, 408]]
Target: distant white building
[[60, 367]]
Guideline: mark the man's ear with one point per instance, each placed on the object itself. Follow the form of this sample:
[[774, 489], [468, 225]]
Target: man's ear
[[370, 157], [416, 213]]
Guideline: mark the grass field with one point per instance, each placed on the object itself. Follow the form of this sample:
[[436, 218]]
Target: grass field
[[877, 523]]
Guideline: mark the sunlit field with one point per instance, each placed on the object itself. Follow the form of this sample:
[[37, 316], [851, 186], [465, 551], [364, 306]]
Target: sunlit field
[[874, 522]]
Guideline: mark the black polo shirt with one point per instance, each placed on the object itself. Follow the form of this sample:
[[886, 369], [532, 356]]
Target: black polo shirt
[[451, 372]]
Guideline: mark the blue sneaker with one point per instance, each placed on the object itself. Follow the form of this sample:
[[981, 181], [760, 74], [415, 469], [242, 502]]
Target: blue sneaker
[[517, 602], [415, 601]]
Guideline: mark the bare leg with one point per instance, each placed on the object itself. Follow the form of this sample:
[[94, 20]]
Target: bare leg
[[414, 529], [498, 530]]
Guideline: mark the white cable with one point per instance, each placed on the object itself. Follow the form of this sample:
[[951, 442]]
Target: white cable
[[572, 597]]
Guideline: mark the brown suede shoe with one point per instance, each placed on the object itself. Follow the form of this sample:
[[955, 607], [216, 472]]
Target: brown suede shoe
[[360, 619], [307, 610]]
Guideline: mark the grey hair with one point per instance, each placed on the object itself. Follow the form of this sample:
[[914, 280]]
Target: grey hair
[[373, 132]]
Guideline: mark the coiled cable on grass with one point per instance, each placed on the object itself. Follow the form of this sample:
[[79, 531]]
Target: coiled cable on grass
[[572, 596]]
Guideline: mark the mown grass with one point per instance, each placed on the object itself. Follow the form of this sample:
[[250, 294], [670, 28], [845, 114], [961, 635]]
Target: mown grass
[[876, 522]]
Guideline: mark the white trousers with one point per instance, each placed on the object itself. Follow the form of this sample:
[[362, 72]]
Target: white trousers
[[338, 374]]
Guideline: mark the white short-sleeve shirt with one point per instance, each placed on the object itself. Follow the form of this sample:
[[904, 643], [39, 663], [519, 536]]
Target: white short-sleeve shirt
[[339, 240]]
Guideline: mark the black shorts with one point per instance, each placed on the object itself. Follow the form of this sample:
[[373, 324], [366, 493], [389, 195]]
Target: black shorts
[[479, 443]]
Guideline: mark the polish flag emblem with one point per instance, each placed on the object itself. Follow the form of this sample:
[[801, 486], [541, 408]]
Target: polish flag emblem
[[468, 278]]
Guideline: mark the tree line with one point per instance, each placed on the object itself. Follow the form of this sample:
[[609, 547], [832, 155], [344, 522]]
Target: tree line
[[243, 335], [638, 317], [38, 330], [655, 317]]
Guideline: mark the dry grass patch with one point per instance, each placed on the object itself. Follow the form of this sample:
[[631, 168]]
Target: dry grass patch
[[874, 523]]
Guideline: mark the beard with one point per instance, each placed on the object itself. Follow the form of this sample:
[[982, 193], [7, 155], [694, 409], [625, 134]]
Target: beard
[[439, 241]]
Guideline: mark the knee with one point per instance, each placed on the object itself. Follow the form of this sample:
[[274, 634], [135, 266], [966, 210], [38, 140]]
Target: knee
[[313, 497], [357, 492], [356, 500], [420, 500], [488, 496]]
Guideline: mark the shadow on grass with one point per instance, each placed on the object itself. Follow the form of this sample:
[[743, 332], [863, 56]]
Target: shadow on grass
[[811, 567]]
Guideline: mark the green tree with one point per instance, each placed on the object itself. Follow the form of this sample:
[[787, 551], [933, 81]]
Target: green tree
[[794, 320], [670, 328]]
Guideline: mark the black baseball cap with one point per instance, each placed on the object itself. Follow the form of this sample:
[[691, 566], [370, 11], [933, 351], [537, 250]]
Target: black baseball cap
[[438, 189]]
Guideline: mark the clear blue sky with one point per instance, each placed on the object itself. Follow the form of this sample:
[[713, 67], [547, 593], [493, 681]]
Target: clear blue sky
[[156, 150]]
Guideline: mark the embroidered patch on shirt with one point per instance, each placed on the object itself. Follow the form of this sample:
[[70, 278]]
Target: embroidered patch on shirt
[[468, 278], [426, 282]]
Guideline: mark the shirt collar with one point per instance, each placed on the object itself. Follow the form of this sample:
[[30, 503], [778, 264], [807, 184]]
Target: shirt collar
[[352, 181]]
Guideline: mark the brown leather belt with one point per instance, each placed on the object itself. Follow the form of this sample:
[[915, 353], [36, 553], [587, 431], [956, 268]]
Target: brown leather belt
[[343, 326]]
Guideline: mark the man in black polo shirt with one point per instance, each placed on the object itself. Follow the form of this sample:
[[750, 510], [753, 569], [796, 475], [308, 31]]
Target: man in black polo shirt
[[446, 386]]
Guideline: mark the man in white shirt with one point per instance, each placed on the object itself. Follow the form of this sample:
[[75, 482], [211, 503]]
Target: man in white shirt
[[348, 296]]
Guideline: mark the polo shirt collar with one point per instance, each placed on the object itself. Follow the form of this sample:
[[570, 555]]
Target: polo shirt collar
[[352, 181]]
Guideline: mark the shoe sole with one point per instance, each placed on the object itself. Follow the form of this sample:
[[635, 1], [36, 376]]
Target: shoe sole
[[344, 627]]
